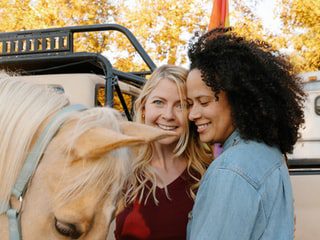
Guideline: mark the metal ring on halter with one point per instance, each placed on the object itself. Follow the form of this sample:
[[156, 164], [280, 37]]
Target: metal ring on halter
[[16, 203]]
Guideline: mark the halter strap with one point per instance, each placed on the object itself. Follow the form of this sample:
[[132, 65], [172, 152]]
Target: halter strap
[[14, 224], [34, 156], [4, 206], [31, 164]]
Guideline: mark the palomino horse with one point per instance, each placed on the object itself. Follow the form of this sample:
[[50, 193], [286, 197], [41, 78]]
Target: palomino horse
[[62, 169]]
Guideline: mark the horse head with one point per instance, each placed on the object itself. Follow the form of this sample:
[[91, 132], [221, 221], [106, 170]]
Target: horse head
[[83, 167]]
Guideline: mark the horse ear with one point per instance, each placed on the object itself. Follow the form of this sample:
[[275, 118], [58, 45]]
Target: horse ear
[[148, 133], [98, 141]]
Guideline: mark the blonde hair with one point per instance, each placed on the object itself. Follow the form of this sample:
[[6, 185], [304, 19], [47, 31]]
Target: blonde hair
[[188, 145], [23, 108]]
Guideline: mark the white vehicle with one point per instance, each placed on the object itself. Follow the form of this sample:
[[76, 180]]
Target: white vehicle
[[304, 164], [87, 87]]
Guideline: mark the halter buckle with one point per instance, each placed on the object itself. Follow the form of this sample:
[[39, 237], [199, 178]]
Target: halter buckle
[[16, 203]]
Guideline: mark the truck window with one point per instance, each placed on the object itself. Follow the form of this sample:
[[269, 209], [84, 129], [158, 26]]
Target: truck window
[[100, 98], [317, 105], [57, 88]]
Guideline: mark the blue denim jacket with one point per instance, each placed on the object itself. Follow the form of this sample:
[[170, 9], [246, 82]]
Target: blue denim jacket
[[245, 194]]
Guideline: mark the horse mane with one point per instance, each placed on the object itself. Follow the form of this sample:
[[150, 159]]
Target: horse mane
[[23, 108], [109, 173]]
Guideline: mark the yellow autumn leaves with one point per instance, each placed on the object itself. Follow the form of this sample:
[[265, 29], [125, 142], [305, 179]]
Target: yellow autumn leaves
[[164, 27]]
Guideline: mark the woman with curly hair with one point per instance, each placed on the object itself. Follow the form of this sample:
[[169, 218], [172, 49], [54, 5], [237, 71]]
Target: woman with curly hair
[[243, 96], [167, 173]]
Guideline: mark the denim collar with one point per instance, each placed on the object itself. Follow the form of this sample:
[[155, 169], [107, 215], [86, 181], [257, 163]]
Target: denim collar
[[232, 140]]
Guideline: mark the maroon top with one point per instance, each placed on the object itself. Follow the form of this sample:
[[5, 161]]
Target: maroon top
[[166, 221]]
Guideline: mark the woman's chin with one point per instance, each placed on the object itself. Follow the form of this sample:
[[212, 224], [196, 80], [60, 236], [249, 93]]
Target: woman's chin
[[169, 141]]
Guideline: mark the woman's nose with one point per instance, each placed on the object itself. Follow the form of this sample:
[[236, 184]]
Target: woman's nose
[[168, 113], [194, 113]]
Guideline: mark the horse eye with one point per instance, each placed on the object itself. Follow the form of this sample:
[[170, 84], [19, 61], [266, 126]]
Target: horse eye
[[67, 229]]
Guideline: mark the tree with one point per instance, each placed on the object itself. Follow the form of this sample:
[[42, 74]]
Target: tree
[[299, 32], [41, 14], [302, 31], [164, 27], [246, 22], [31, 14]]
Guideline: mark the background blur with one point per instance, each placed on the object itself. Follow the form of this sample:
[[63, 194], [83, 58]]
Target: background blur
[[164, 27]]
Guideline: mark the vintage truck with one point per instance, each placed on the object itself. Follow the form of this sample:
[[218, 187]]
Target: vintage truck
[[48, 57]]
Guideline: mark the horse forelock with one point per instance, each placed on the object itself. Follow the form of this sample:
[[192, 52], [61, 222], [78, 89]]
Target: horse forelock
[[23, 108], [109, 173]]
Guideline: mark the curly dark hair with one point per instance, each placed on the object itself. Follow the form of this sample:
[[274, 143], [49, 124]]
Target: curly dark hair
[[266, 98]]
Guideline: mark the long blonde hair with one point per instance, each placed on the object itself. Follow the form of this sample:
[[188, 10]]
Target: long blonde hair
[[188, 146]]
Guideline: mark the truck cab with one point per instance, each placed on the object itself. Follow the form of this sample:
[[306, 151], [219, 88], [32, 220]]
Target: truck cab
[[304, 163], [84, 88]]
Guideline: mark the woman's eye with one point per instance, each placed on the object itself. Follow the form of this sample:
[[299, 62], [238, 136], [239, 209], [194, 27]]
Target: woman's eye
[[183, 105], [179, 106], [189, 103], [157, 102], [67, 229], [204, 103]]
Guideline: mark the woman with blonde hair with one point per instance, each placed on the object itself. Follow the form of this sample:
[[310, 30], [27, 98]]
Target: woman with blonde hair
[[167, 173]]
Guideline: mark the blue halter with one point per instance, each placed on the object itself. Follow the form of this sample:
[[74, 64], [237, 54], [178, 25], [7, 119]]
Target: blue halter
[[30, 166]]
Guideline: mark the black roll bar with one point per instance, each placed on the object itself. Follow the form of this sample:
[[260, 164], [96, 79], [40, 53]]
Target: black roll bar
[[29, 46]]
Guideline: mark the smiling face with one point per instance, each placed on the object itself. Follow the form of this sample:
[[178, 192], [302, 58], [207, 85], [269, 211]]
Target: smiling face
[[212, 117], [163, 109]]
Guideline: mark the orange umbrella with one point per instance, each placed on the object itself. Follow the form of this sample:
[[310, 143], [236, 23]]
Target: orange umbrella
[[219, 15]]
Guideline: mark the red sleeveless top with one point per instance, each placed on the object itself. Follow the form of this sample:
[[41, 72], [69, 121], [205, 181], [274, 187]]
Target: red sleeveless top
[[166, 221]]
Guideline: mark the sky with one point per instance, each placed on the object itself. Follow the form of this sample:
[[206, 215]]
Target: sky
[[266, 11]]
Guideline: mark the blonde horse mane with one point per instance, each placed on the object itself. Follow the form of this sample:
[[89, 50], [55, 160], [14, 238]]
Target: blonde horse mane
[[23, 108], [109, 173]]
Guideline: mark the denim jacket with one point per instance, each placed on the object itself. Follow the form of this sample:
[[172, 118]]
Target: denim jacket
[[245, 194]]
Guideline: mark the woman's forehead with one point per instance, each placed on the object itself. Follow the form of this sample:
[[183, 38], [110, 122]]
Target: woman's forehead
[[168, 92]]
